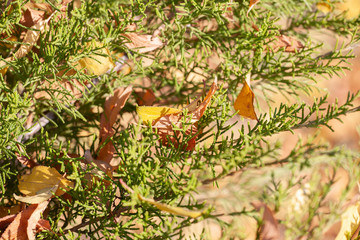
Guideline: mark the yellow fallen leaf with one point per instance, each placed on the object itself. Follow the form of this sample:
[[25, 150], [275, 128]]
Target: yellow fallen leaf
[[42, 179], [96, 64], [324, 7], [149, 114], [173, 210], [350, 221], [350, 7], [244, 102]]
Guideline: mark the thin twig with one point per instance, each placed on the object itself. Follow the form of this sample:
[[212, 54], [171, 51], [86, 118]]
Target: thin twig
[[43, 121]]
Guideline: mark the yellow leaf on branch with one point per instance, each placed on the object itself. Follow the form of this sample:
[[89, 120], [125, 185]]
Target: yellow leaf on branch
[[170, 209], [244, 102], [41, 182], [149, 114]]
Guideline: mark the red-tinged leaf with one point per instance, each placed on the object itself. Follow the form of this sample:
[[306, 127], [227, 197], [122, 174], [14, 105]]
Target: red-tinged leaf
[[23, 226], [142, 43], [270, 230], [26, 161], [113, 105], [6, 220], [145, 97], [164, 123], [43, 225]]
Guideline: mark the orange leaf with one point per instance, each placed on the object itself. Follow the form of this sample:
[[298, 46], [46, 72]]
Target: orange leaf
[[252, 5], [244, 102], [145, 98], [113, 105]]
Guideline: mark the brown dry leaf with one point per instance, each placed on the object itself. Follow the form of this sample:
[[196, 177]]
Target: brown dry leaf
[[113, 105], [43, 180], [270, 230], [252, 5], [26, 161], [142, 43], [23, 227], [4, 211], [163, 119], [29, 41], [6, 220], [244, 102], [289, 43], [31, 17]]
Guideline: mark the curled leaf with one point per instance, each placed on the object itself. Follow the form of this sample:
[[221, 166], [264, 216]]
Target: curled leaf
[[40, 196], [244, 102], [113, 105]]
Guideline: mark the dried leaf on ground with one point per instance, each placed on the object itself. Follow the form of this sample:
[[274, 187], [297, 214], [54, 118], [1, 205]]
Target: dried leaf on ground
[[113, 105], [244, 102], [324, 7], [289, 44], [351, 8], [270, 229], [163, 119], [98, 63], [43, 180], [31, 17], [350, 221], [23, 226], [29, 41], [142, 43]]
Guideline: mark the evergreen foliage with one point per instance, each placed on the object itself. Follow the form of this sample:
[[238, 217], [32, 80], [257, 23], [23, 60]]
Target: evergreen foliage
[[193, 32]]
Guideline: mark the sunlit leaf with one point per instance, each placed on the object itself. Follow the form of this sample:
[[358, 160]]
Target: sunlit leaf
[[42, 179], [244, 102]]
